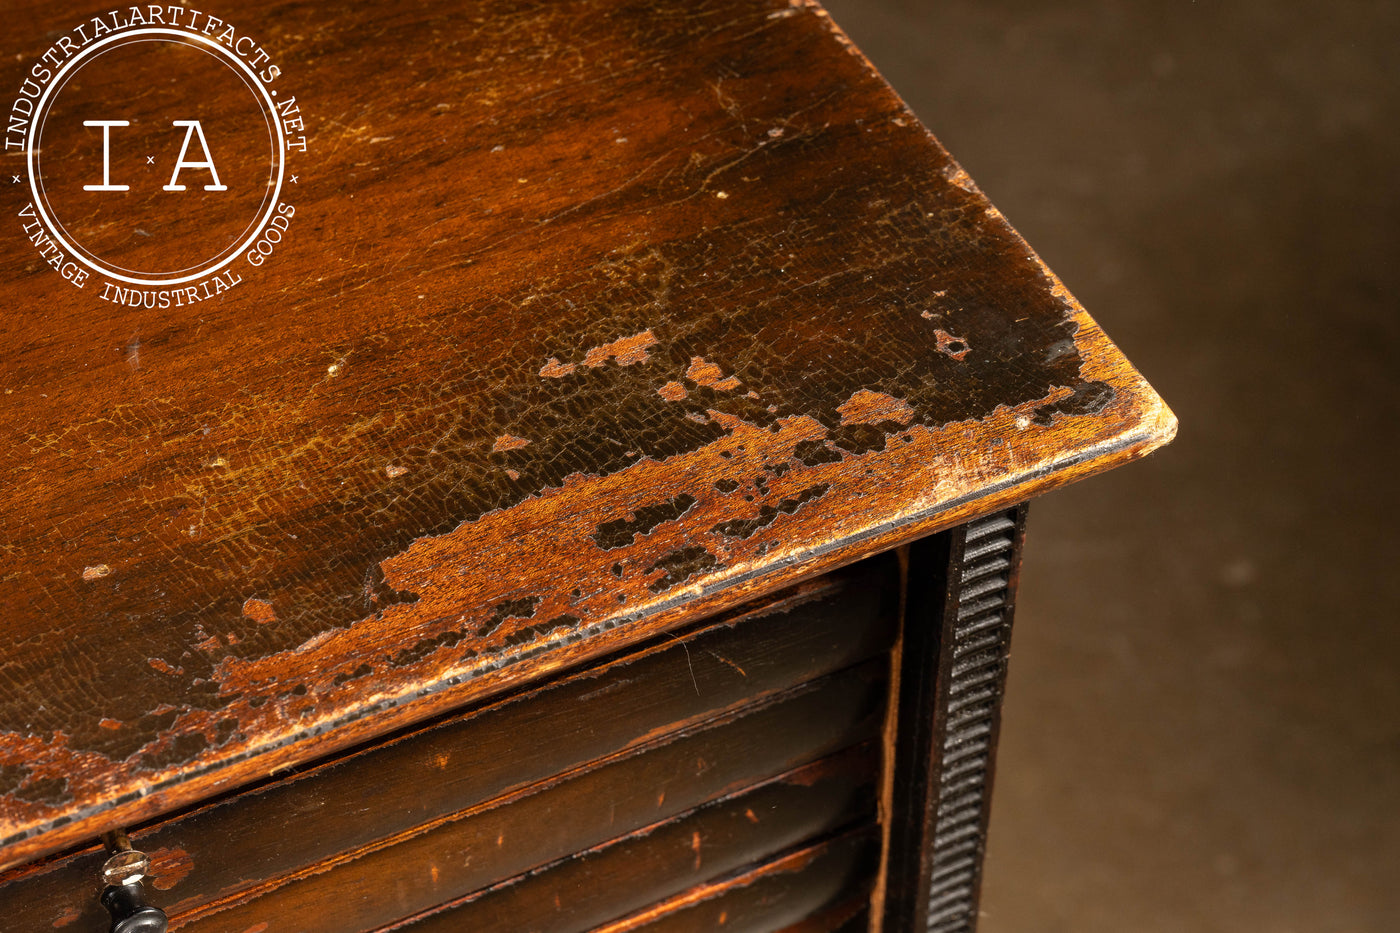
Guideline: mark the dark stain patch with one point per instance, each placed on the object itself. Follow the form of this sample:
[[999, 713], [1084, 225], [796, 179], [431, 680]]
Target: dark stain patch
[[623, 531], [510, 609], [681, 565], [860, 438], [417, 652], [225, 730], [1088, 398], [745, 527], [814, 453], [11, 777], [531, 632], [52, 791], [181, 749], [726, 486], [363, 670]]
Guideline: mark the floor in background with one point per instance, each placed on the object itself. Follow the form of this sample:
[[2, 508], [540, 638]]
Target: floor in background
[[1203, 725]]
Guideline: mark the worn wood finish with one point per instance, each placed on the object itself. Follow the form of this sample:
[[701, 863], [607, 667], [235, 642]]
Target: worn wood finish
[[615, 879], [593, 319], [954, 652], [422, 869], [821, 888], [645, 698]]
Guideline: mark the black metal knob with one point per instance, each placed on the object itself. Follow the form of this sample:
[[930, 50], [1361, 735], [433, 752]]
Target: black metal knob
[[129, 910], [122, 895]]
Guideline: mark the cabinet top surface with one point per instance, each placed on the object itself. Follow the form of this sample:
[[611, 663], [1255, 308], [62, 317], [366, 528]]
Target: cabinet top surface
[[522, 331]]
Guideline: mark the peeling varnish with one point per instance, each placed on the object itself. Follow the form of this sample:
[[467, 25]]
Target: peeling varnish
[[169, 867], [259, 610], [553, 369], [704, 373], [948, 345], [545, 537], [868, 407], [672, 392], [625, 351], [508, 442]]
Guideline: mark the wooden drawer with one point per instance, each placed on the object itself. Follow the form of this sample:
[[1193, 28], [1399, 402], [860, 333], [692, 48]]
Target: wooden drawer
[[481, 798], [575, 894], [821, 888]]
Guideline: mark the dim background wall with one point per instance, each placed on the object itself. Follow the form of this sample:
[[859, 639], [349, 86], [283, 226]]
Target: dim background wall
[[1203, 726]]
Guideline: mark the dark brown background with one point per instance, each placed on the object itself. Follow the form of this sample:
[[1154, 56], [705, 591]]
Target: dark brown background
[[1203, 728]]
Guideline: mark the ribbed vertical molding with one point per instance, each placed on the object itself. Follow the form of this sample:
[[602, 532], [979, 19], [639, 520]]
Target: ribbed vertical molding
[[957, 639], [977, 644]]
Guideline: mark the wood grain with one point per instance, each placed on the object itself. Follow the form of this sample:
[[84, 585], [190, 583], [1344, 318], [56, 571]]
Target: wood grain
[[822, 888], [421, 869], [259, 838], [583, 891], [593, 319]]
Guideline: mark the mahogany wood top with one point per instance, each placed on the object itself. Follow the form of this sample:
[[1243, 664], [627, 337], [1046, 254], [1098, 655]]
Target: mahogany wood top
[[587, 319]]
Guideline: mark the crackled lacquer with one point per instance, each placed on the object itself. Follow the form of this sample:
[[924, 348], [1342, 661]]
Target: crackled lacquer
[[592, 318]]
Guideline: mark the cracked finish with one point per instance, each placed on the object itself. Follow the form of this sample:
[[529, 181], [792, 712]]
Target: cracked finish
[[647, 308]]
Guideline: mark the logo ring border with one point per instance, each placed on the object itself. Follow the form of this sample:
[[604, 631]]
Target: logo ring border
[[42, 104]]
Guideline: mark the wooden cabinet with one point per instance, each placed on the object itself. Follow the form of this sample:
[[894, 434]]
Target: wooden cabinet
[[566, 472]]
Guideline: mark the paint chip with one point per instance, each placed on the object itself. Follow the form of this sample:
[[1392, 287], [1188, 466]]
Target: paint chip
[[395, 471], [553, 369], [259, 610], [948, 345], [704, 373], [625, 350], [672, 392], [508, 442], [96, 572], [867, 407]]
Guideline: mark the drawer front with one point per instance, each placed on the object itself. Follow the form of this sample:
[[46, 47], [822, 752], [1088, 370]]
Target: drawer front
[[580, 892], [818, 888], [406, 797], [515, 838]]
